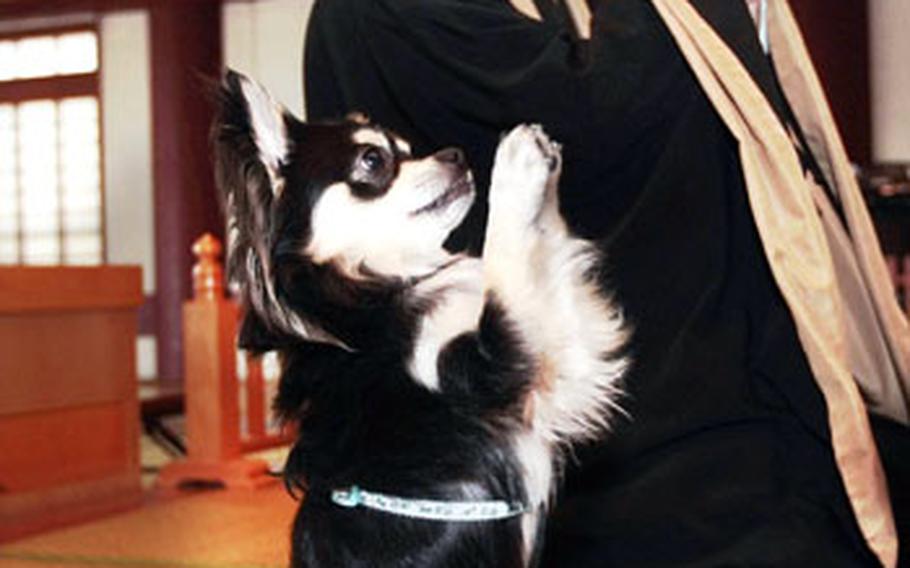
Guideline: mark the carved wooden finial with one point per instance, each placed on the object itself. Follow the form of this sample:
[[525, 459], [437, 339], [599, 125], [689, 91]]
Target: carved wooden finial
[[208, 275]]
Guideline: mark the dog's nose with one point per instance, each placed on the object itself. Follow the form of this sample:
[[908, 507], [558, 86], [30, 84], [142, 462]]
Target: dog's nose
[[451, 156]]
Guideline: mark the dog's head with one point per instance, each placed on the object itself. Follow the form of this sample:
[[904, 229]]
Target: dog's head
[[325, 219]]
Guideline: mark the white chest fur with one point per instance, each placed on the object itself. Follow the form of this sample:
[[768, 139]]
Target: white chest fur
[[457, 293]]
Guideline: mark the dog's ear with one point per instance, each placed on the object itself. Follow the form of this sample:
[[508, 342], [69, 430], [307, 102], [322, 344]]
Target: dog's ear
[[250, 144], [250, 112]]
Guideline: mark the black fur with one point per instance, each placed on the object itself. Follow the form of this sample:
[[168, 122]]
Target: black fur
[[363, 419]]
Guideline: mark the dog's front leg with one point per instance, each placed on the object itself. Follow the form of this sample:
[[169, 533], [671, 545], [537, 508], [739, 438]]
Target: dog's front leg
[[523, 187], [522, 193], [546, 282]]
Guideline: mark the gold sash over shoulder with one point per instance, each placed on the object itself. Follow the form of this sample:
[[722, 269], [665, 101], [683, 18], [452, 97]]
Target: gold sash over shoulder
[[834, 281]]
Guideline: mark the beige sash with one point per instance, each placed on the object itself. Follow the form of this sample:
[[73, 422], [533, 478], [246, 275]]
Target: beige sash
[[820, 293], [867, 291]]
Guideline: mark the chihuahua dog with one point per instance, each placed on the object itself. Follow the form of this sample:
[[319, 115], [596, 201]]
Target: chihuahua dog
[[436, 394]]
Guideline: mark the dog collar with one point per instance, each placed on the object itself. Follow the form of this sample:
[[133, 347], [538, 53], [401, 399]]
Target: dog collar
[[428, 509]]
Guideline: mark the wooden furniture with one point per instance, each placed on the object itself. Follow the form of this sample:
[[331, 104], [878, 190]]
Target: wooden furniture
[[69, 419], [214, 389]]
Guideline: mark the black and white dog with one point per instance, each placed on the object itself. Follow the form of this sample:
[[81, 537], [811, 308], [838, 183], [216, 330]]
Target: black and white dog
[[435, 393]]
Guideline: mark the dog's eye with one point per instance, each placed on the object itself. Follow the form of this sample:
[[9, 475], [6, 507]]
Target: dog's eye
[[373, 160], [372, 171]]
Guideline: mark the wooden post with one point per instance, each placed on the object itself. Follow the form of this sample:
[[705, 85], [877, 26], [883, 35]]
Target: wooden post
[[214, 452], [209, 331]]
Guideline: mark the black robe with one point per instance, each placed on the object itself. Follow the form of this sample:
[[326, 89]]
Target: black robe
[[725, 458]]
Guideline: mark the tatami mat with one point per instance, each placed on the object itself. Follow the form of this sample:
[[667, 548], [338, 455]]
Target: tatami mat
[[214, 529]]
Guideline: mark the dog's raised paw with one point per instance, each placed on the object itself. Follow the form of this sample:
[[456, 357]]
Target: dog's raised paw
[[527, 161], [528, 152]]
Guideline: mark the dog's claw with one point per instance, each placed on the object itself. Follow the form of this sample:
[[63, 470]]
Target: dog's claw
[[549, 150]]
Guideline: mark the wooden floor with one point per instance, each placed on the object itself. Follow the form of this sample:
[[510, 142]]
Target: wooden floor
[[215, 528], [211, 529]]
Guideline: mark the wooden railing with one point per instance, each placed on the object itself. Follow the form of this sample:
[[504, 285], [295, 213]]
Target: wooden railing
[[226, 391]]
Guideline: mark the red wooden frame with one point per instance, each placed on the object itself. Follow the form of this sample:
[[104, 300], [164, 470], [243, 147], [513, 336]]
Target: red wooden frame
[[87, 26], [55, 87], [216, 442], [10, 9]]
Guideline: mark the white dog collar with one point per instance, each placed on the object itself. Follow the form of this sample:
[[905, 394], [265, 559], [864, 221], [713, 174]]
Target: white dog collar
[[428, 509]]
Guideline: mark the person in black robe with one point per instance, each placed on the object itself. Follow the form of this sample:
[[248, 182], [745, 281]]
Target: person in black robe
[[725, 457]]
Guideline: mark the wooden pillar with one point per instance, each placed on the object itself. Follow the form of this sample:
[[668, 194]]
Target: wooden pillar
[[837, 36], [185, 47]]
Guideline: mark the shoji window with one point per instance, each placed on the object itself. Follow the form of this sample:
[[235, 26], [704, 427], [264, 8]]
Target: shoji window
[[51, 200]]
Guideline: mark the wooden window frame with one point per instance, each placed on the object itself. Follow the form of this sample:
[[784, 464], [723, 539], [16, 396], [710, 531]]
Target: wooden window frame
[[56, 87]]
